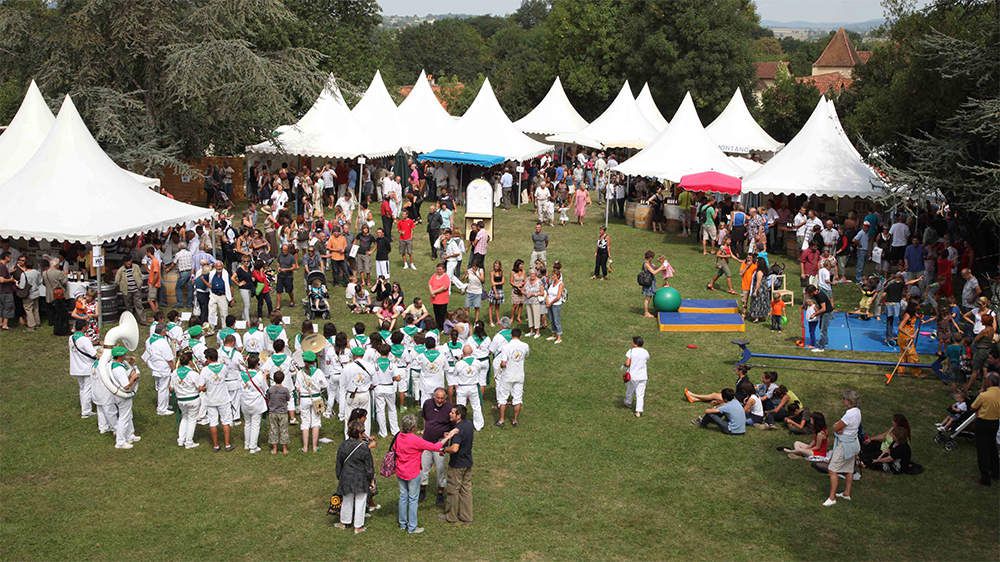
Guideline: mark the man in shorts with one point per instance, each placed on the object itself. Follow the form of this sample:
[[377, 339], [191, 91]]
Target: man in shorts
[[287, 264], [708, 230], [405, 227], [510, 380]]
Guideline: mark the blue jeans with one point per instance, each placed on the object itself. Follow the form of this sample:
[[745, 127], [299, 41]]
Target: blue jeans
[[409, 496], [185, 292], [555, 319], [892, 310], [859, 269], [812, 332], [824, 325]]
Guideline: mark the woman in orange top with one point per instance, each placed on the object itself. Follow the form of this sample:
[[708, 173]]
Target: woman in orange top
[[747, 270], [439, 285], [905, 339]]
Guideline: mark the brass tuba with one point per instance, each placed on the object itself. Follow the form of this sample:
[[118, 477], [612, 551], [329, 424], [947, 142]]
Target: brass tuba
[[126, 333]]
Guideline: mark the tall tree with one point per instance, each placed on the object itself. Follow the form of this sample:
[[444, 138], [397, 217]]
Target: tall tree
[[786, 106], [443, 47]]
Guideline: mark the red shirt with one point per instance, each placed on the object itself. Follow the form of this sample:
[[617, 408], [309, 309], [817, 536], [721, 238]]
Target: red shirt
[[438, 282], [408, 449], [810, 262], [386, 210], [259, 277], [405, 227]]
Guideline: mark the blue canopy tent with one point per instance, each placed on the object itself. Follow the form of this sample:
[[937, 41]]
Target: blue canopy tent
[[457, 157]]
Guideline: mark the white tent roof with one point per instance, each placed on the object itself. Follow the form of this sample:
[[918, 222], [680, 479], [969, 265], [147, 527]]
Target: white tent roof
[[486, 129], [377, 112], [423, 121], [747, 165], [622, 125], [820, 160], [25, 133], [682, 148], [70, 190], [553, 115], [327, 130], [649, 109], [735, 130]]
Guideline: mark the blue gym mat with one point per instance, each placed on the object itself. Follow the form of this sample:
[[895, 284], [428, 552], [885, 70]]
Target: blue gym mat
[[854, 334]]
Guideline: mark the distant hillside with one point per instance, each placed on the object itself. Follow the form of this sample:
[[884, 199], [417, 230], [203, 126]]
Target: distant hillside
[[858, 26], [398, 22]]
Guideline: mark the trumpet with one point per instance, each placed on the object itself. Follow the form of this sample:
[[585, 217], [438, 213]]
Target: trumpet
[[125, 333]]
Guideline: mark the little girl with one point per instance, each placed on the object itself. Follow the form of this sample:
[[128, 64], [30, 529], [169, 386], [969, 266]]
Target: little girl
[[668, 271], [563, 217], [812, 323], [946, 326]]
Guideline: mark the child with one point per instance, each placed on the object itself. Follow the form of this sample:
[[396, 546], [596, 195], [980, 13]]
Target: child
[[777, 312], [318, 295], [722, 267], [387, 313], [563, 217], [955, 412], [812, 323], [668, 271], [277, 414], [768, 384], [946, 326], [955, 352], [868, 291]]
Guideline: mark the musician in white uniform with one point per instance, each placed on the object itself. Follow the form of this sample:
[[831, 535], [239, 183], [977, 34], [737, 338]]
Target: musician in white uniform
[[465, 385], [360, 339], [107, 413], [174, 330], [335, 354], [401, 357], [356, 379], [310, 382], [217, 399], [255, 340], [384, 379], [126, 376], [275, 331], [279, 361], [510, 378], [253, 403], [159, 355], [187, 384], [230, 329], [233, 360], [433, 366], [196, 343], [481, 344], [82, 356]]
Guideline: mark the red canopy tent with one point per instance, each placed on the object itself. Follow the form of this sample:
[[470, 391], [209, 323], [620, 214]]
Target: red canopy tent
[[712, 181]]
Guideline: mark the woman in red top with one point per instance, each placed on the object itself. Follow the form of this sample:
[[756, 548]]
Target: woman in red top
[[262, 289], [819, 443], [440, 288], [943, 269], [408, 448]]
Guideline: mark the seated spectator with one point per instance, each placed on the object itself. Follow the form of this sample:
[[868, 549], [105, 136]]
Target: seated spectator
[[753, 406], [768, 384], [815, 450], [956, 412], [715, 397], [779, 403], [798, 420], [890, 449], [728, 416]]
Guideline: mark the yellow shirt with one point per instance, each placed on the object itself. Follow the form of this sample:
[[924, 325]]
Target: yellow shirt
[[987, 404]]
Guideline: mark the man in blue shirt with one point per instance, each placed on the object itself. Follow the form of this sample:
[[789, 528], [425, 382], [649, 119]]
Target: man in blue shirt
[[862, 241], [729, 416], [913, 258]]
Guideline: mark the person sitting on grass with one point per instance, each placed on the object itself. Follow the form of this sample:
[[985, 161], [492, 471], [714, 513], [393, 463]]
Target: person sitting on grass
[[753, 408], [798, 420], [890, 449], [768, 384], [716, 397], [728, 416], [815, 450], [779, 403]]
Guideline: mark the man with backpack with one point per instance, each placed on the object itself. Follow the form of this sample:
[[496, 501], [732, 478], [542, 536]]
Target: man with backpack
[[706, 218], [219, 295]]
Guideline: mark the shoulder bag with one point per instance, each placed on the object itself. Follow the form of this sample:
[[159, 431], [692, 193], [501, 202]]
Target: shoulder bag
[[388, 468]]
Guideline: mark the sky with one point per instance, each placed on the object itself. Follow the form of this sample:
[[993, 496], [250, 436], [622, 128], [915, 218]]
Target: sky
[[779, 10]]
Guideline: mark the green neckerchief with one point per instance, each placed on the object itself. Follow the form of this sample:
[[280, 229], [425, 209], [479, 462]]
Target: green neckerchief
[[420, 349], [479, 340], [361, 339], [397, 349], [298, 339], [436, 334], [312, 370], [77, 335], [454, 345], [382, 363], [192, 343], [252, 330], [330, 339], [432, 354], [273, 331], [153, 338], [216, 367], [152, 327], [385, 334], [229, 351], [410, 330], [505, 334], [247, 375], [278, 359], [116, 364], [171, 326], [225, 332], [469, 360], [183, 371]]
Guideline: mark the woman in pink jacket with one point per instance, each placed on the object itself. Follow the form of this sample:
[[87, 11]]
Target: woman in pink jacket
[[408, 447]]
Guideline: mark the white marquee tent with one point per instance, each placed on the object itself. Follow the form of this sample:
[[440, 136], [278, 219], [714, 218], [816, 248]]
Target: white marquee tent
[[736, 131], [423, 121], [649, 110], [70, 190], [820, 161], [486, 129], [26, 132], [327, 130], [622, 125], [682, 148], [377, 112], [553, 115]]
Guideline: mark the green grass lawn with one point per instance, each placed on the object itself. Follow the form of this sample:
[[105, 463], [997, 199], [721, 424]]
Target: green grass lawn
[[581, 478]]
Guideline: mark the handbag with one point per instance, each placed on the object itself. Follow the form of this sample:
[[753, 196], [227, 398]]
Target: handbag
[[388, 468], [644, 278], [627, 377]]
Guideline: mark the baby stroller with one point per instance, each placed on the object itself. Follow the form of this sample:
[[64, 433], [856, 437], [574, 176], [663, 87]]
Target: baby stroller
[[317, 299], [949, 438]]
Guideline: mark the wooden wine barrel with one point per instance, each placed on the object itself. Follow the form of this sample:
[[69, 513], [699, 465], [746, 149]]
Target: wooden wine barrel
[[630, 213], [791, 245], [169, 286], [643, 217]]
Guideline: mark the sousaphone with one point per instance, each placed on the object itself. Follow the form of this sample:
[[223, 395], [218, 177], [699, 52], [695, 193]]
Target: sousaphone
[[126, 333]]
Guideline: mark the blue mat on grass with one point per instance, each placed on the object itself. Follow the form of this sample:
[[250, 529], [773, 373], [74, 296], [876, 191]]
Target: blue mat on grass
[[854, 334]]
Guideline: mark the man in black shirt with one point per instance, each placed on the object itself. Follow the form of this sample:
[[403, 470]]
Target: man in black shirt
[[824, 312], [434, 223], [458, 507], [382, 249], [436, 412]]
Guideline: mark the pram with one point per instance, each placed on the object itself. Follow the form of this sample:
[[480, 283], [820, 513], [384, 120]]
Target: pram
[[317, 301], [949, 438]]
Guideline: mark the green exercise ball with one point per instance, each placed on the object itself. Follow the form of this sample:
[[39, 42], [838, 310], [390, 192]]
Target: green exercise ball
[[667, 299]]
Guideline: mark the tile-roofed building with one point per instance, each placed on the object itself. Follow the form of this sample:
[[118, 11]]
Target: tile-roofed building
[[765, 74], [839, 56], [834, 82]]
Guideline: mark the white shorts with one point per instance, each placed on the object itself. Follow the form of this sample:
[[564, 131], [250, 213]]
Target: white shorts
[[218, 414], [308, 418], [513, 390]]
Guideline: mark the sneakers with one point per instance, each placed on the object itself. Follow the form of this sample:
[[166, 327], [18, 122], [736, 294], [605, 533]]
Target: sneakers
[[828, 502], [817, 350], [165, 413], [696, 421], [550, 338], [416, 531], [843, 497], [123, 446], [638, 414], [192, 445], [134, 439], [254, 450]]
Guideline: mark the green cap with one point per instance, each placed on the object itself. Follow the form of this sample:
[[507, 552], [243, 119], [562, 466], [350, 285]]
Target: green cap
[[194, 331], [118, 351], [359, 351], [309, 356]]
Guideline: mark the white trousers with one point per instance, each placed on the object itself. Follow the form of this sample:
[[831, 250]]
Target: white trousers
[[189, 420], [251, 430], [218, 308], [482, 370], [245, 298], [162, 385], [430, 459], [362, 399], [234, 402], [382, 268], [353, 508], [86, 396], [464, 394], [107, 417], [450, 267], [123, 427], [333, 395], [385, 404], [636, 390]]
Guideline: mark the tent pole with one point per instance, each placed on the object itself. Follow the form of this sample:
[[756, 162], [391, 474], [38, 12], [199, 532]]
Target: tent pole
[[100, 281], [606, 205], [520, 165]]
